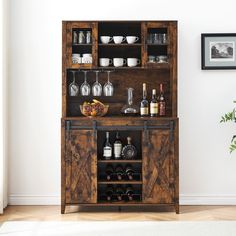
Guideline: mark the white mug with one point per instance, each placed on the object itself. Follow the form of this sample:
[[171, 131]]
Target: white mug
[[86, 55], [76, 58], [118, 39], [105, 39], [105, 62], [131, 39], [131, 62], [119, 62]]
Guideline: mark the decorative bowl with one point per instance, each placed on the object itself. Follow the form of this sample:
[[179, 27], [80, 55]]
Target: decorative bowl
[[94, 110]]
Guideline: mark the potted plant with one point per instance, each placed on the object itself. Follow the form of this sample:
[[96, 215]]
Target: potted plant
[[230, 116]]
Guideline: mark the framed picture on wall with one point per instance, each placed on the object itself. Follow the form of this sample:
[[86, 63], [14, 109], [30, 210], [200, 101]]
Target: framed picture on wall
[[218, 51]]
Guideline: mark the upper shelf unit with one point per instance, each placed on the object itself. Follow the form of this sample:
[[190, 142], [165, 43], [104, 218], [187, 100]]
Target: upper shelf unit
[[119, 45]]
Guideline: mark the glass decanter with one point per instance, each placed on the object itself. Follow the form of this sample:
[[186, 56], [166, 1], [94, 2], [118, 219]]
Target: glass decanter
[[130, 108], [97, 87], [108, 88], [73, 87], [85, 87]]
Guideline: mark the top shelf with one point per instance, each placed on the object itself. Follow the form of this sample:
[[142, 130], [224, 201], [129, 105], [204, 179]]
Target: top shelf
[[120, 45]]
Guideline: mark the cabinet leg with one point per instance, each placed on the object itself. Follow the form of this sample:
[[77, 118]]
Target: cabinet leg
[[119, 208], [63, 209], [177, 208]]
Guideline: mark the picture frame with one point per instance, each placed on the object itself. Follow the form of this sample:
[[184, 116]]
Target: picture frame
[[218, 51]]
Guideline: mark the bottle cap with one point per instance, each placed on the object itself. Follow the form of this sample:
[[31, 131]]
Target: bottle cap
[[161, 87], [129, 140]]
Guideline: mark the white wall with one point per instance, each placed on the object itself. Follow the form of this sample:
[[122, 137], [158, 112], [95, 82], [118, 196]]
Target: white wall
[[4, 13], [207, 171]]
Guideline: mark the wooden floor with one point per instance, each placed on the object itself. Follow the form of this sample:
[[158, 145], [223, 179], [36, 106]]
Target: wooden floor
[[48, 213]]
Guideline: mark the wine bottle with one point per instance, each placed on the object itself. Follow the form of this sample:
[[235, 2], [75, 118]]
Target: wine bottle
[[129, 151], [119, 192], [129, 172], [129, 192], [117, 146], [109, 193], [162, 102], [144, 106], [154, 104], [107, 148], [119, 172], [109, 172]]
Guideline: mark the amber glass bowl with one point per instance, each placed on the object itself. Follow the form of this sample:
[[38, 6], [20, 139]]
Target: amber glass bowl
[[94, 111]]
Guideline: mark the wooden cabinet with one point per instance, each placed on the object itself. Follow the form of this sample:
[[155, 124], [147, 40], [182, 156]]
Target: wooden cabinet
[[80, 162], [158, 167], [156, 179]]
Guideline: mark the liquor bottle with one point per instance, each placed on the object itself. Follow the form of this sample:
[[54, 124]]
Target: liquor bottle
[[107, 148], [129, 192], [119, 192], [154, 104], [109, 172], [129, 172], [161, 102], [144, 106], [109, 193], [119, 172], [129, 151], [117, 147]]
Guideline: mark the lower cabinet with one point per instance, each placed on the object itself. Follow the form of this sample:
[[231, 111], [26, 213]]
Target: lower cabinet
[[157, 162], [158, 167], [81, 167]]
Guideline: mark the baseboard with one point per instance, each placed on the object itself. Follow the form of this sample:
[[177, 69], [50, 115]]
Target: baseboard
[[189, 199], [34, 200], [185, 199]]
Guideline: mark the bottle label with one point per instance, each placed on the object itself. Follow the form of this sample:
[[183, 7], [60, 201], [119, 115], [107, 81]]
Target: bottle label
[[154, 108], [107, 152], [117, 149], [144, 111], [162, 108]]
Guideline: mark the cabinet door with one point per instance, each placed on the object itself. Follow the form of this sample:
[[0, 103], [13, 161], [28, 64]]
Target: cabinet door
[[158, 167], [157, 39], [81, 48], [81, 166]]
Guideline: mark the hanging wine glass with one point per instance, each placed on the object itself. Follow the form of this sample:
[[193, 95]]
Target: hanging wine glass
[[97, 87], [108, 88], [85, 87], [73, 87]]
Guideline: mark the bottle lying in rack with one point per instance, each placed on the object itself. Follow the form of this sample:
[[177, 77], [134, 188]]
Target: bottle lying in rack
[[129, 151], [119, 192], [109, 193], [119, 172], [129, 171], [109, 172], [129, 192]]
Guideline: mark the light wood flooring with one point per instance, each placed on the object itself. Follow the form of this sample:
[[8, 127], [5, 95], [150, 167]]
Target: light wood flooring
[[49, 213]]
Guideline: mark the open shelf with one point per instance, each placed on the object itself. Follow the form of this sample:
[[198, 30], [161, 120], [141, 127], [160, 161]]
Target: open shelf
[[120, 45], [120, 182], [119, 161], [157, 44], [82, 44]]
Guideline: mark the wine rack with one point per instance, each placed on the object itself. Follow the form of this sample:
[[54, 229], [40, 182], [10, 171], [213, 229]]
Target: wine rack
[[119, 198], [129, 171]]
